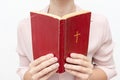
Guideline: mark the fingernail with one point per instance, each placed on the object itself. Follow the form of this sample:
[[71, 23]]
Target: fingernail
[[57, 64], [72, 54], [67, 58], [55, 58], [51, 55], [65, 65]]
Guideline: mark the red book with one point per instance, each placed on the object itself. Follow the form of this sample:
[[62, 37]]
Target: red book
[[60, 35]]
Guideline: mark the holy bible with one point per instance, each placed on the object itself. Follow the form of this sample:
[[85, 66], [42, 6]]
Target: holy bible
[[60, 35]]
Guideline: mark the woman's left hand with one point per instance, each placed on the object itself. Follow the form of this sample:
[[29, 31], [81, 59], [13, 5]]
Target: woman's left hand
[[79, 66]]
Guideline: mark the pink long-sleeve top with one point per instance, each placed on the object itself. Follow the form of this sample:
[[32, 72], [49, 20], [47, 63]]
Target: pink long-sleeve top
[[100, 49]]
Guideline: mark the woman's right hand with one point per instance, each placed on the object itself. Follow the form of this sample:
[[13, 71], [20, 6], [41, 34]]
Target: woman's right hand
[[42, 68]]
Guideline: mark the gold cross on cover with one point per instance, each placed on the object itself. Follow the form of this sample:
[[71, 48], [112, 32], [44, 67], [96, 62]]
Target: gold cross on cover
[[77, 34]]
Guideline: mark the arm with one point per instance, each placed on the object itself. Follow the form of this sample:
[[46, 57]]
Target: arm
[[23, 59], [41, 68], [103, 58], [101, 76], [104, 68]]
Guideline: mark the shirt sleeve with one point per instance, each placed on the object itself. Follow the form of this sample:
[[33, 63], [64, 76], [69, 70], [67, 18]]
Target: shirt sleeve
[[23, 60], [104, 56]]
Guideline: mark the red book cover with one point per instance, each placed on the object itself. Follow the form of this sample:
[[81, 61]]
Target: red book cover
[[60, 35]]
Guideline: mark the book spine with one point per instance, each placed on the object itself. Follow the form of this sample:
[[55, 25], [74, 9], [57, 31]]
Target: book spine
[[61, 46]]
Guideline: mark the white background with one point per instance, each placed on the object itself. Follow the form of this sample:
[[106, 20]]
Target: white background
[[12, 11]]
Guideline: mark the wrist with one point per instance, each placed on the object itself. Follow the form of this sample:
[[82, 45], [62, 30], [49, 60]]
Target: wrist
[[27, 75]]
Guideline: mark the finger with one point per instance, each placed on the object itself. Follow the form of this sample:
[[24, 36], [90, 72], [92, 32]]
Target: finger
[[41, 59], [78, 68], [79, 56], [81, 76], [45, 71], [43, 65], [78, 62], [46, 77]]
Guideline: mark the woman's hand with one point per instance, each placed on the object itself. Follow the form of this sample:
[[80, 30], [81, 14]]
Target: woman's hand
[[79, 66], [42, 68]]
